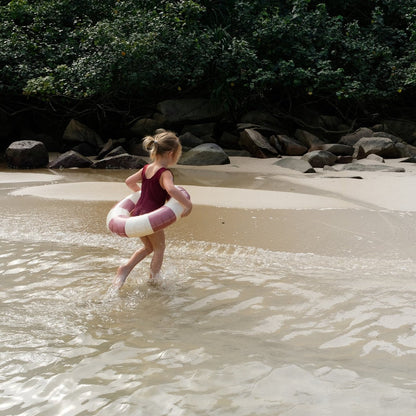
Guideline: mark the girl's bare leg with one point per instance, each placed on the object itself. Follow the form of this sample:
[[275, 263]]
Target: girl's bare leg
[[124, 270], [157, 241]]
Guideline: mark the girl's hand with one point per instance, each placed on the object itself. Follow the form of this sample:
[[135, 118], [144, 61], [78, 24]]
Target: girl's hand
[[187, 211]]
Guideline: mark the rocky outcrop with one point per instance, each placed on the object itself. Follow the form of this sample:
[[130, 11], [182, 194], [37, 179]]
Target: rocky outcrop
[[205, 154], [27, 154], [257, 144], [308, 139], [381, 146], [77, 133], [290, 146], [256, 133], [337, 149], [70, 159], [319, 158], [352, 138]]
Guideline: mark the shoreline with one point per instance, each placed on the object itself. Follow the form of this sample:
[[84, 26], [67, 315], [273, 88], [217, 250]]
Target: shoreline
[[246, 183], [251, 203]]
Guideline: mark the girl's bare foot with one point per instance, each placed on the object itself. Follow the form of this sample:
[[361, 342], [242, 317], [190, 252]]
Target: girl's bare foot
[[120, 278]]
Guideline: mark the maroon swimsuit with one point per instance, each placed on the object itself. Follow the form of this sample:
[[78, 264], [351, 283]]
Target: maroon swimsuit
[[153, 196]]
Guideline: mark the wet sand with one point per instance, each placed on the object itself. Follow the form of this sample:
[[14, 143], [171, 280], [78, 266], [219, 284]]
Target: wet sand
[[253, 202]]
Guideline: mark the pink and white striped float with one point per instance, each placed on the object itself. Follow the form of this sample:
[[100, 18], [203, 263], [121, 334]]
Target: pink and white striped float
[[120, 222]]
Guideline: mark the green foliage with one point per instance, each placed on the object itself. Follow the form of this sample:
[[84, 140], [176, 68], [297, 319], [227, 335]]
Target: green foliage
[[232, 49]]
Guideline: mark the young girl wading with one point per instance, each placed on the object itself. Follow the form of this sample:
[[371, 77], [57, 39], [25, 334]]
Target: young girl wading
[[156, 186]]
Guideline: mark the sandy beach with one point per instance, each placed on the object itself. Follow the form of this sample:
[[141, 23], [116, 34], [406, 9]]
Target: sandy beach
[[249, 184], [256, 203]]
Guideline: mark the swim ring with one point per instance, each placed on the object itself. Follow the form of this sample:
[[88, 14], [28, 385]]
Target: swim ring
[[120, 222]]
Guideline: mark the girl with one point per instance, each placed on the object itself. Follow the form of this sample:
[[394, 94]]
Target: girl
[[156, 185]]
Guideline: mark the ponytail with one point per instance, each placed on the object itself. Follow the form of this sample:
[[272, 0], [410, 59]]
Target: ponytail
[[163, 141]]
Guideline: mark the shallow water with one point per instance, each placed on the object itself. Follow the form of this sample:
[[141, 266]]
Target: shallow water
[[234, 327]]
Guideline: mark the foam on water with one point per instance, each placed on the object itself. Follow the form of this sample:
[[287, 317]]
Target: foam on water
[[231, 330]]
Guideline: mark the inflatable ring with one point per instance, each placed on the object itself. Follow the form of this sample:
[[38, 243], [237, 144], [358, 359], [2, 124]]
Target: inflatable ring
[[120, 222]]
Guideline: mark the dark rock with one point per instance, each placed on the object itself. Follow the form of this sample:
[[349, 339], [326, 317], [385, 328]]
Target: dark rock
[[144, 127], [319, 158], [335, 148], [189, 140], [264, 130], [359, 153], [308, 139], [135, 147], [229, 141], [27, 154], [200, 130], [290, 146], [410, 160], [393, 138], [236, 152], [405, 129], [295, 164], [80, 133], [205, 154], [381, 146], [274, 141], [352, 138], [405, 150], [257, 144], [70, 159], [107, 148], [85, 149], [344, 159], [119, 150], [124, 161]]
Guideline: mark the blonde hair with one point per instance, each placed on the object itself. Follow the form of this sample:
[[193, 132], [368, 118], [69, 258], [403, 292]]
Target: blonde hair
[[163, 141]]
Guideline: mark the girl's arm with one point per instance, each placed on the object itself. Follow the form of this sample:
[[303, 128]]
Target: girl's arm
[[167, 183], [133, 180]]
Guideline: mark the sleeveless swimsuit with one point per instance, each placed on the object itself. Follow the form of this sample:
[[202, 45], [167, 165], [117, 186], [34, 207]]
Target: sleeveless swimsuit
[[152, 196]]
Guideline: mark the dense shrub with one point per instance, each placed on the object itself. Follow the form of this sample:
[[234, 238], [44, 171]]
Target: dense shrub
[[231, 49]]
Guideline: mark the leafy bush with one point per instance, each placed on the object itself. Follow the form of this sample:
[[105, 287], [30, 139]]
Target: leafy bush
[[231, 49]]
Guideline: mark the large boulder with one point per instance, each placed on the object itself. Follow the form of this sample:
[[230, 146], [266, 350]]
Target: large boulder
[[70, 159], [205, 154], [257, 144], [27, 154], [308, 139], [295, 164], [76, 132], [144, 127], [229, 141], [320, 158], [290, 146], [405, 129], [189, 110], [190, 140], [124, 161], [381, 146], [202, 130], [405, 150], [335, 148], [351, 138]]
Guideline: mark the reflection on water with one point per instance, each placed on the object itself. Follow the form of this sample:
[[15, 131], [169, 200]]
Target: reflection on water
[[231, 330]]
